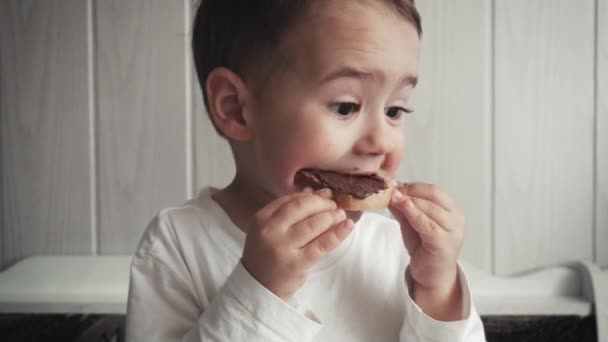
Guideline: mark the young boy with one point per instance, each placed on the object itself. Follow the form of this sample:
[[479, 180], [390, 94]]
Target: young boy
[[295, 85]]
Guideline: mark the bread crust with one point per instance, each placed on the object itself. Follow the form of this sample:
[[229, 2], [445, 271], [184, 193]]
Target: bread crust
[[376, 201]]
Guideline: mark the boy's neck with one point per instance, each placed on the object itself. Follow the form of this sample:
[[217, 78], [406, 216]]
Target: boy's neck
[[240, 201]]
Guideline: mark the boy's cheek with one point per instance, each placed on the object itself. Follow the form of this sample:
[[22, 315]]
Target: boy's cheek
[[306, 155], [392, 161]]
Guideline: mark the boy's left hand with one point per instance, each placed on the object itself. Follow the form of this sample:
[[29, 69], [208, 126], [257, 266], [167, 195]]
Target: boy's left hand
[[432, 227]]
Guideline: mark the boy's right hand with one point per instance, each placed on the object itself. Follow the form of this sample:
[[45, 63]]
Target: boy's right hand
[[289, 235]]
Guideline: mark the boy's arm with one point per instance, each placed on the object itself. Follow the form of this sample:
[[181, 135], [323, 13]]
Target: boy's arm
[[442, 303], [163, 307], [432, 228], [164, 304], [419, 326]]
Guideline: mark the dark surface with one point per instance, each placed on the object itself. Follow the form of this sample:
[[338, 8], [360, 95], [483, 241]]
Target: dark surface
[[540, 328], [96, 328], [60, 328]]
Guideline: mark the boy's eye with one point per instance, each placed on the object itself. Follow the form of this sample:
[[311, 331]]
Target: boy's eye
[[396, 112], [345, 108]]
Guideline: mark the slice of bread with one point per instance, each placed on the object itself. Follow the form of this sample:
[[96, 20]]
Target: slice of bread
[[344, 198]]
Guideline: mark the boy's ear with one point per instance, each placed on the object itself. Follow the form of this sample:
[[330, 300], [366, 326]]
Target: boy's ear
[[227, 96]]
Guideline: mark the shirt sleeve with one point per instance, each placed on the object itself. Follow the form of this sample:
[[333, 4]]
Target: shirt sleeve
[[162, 307], [420, 327]]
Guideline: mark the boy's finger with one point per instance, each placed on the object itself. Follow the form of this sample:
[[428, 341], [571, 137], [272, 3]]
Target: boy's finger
[[418, 220], [429, 192], [311, 228], [300, 208], [325, 192], [410, 236], [271, 207], [434, 212], [328, 241]]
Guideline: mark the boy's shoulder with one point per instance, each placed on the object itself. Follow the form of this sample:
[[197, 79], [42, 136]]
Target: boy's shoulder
[[175, 223]]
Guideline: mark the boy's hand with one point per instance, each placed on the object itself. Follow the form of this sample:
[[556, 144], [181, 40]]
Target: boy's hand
[[432, 228], [289, 235]]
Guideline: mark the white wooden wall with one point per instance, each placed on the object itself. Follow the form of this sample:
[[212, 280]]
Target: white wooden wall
[[544, 132], [601, 136], [102, 125]]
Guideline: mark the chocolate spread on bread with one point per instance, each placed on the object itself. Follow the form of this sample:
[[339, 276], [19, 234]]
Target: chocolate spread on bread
[[358, 186]]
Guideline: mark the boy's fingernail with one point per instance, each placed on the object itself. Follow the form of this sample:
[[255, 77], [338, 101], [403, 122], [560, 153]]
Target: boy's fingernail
[[409, 204], [323, 192], [397, 195]]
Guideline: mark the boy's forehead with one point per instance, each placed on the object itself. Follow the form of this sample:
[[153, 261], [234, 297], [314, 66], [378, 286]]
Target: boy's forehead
[[354, 36]]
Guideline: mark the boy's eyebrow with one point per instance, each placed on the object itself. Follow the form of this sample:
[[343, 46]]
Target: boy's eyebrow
[[350, 72]]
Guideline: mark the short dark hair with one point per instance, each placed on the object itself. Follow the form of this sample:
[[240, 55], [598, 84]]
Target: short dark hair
[[236, 33]]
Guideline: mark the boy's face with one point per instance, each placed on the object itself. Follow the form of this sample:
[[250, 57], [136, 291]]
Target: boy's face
[[337, 102]]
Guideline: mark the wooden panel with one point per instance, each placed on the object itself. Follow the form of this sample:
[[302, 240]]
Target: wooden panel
[[142, 116], [214, 165], [449, 135], [601, 239], [544, 132], [44, 136]]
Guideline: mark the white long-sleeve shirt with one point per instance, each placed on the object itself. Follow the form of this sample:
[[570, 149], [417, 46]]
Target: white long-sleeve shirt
[[187, 284]]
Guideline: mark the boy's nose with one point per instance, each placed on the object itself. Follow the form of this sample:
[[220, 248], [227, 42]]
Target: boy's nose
[[377, 138]]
